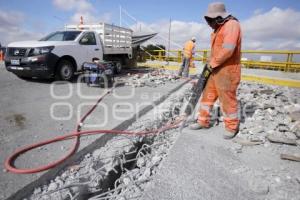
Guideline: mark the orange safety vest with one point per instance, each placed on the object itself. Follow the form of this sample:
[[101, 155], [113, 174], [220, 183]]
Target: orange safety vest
[[226, 44], [188, 49]]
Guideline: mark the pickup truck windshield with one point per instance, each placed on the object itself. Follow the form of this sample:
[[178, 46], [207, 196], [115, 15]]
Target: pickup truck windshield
[[61, 36]]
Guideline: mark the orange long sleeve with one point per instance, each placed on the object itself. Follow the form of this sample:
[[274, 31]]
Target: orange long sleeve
[[225, 45]]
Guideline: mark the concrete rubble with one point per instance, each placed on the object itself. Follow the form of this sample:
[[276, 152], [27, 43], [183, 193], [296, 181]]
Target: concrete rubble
[[202, 165], [269, 114], [270, 119], [121, 157], [152, 79]]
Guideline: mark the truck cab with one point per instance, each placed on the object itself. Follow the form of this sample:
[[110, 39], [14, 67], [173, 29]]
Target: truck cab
[[62, 53]]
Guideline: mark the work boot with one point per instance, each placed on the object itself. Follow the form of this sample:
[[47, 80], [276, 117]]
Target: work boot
[[196, 126], [229, 134]]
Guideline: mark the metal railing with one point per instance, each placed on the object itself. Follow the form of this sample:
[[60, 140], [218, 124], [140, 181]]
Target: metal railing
[[272, 60]]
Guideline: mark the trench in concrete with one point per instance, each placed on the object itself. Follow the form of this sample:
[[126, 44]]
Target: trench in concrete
[[115, 183], [101, 142], [109, 183], [113, 179]]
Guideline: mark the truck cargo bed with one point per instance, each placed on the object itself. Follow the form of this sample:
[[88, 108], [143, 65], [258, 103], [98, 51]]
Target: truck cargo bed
[[115, 39]]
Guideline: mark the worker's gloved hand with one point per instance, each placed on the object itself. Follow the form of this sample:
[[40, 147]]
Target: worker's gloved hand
[[210, 68], [207, 71]]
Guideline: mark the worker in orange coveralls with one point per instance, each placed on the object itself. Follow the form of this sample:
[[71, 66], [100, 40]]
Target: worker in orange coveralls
[[224, 63], [188, 52]]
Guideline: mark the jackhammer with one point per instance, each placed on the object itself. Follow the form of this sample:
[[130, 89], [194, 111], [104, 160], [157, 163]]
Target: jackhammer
[[197, 90]]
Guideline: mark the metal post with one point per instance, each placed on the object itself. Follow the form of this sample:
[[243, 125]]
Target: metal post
[[291, 60], [120, 15], [204, 58], [81, 22], [169, 40], [179, 56], [159, 56], [287, 60]]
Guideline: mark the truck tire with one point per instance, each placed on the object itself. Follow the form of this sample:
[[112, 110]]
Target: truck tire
[[118, 68], [64, 71], [24, 77]]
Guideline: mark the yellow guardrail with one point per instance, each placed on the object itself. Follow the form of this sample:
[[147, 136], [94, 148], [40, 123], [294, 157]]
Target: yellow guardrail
[[245, 77], [272, 60], [271, 81]]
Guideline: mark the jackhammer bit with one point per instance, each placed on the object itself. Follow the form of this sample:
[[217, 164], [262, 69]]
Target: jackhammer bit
[[197, 90]]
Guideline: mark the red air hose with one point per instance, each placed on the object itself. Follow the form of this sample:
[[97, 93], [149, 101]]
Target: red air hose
[[76, 134]]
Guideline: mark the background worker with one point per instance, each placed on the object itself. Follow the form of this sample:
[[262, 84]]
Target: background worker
[[1, 53], [188, 52], [226, 71]]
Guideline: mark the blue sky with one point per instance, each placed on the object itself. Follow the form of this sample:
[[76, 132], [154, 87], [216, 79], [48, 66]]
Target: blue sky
[[148, 11], [39, 17]]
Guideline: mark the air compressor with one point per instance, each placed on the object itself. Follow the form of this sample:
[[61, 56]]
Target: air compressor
[[99, 73]]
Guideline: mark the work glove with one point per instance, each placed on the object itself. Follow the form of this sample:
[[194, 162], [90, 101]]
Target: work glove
[[207, 71], [210, 68]]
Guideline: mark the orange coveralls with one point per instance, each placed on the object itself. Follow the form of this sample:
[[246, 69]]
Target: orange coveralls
[[225, 78], [188, 50]]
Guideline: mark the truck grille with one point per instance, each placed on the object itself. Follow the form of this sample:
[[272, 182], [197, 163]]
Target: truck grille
[[17, 52]]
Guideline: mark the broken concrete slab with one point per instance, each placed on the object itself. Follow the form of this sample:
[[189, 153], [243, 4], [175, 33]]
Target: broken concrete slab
[[292, 157], [96, 167], [48, 130], [282, 138], [197, 168]]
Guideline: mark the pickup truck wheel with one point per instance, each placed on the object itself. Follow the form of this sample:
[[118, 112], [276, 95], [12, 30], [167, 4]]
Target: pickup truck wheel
[[64, 71], [24, 77], [118, 67]]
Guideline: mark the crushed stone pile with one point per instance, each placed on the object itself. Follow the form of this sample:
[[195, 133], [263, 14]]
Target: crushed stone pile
[[270, 127], [270, 114], [152, 79]]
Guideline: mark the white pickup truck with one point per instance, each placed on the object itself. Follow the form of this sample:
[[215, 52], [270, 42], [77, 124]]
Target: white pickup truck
[[62, 53]]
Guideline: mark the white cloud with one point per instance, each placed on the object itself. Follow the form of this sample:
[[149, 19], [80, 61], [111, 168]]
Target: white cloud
[[88, 17], [81, 8], [81, 5], [274, 29], [10, 18], [180, 32], [258, 11], [12, 22], [252, 44], [11, 28]]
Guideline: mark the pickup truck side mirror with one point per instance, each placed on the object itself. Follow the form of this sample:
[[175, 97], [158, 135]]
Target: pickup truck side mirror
[[84, 40]]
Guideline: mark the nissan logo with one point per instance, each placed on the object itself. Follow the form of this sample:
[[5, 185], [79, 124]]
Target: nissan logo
[[16, 52]]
